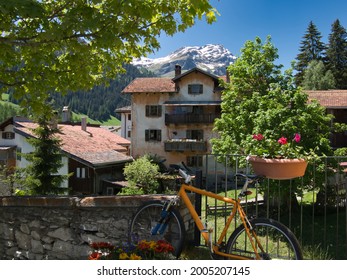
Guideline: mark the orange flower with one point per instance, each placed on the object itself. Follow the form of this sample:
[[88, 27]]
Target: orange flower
[[94, 256]]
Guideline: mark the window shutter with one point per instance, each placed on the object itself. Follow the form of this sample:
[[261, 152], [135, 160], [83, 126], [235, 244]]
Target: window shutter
[[159, 111], [147, 110], [159, 135], [146, 135], [189, 134]]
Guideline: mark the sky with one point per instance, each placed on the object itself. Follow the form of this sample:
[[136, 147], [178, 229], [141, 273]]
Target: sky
[[286, 21]]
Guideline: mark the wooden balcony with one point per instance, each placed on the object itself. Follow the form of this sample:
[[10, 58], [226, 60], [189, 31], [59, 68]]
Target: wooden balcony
[[180, 145], [190, 118]]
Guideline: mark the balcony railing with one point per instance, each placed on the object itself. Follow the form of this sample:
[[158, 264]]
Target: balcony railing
[[190, 118], [190, 145]]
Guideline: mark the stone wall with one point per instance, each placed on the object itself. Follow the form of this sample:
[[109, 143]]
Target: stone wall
[[38, 228]]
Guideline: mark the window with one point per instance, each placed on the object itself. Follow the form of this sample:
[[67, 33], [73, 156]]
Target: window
[[129, 117], [153, 135], [129, 134], [194, 161], [81, 172], [153, 111], [195, 89], [8, 135], [196, 134]]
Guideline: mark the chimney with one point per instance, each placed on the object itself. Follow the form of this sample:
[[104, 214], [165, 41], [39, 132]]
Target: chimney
[[177, 70], [66, 115], [84, 124]]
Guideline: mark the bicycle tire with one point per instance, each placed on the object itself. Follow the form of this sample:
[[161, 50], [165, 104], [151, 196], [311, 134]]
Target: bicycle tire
[[147, 216], [277, 240]]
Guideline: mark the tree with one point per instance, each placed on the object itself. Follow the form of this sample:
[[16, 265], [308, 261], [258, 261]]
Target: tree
[[316, 77], [336, 54], [41, 175], [142, 174], [260, 99], [60, 46], [311, 49]]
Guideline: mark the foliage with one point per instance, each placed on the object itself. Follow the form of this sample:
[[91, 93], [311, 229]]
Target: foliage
[[41, 175], [143, 250], [316, 77], [142, 176], [261, 100], [336, 54], [312, 48], [61, 46]]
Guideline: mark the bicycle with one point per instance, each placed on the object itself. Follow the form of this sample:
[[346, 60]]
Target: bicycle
[[258, 238]]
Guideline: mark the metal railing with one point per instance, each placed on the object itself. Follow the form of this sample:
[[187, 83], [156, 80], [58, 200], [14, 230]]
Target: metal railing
[[313, 206]]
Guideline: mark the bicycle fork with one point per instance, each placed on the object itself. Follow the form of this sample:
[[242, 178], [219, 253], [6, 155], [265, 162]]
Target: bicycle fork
[[163, 222]]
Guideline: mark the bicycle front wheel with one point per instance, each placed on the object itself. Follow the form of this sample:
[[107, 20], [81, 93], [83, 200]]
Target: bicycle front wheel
[[275, 241], [147, 217]]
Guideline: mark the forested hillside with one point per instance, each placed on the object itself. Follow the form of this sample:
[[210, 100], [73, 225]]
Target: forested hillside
[[8, 110], [100, 102]]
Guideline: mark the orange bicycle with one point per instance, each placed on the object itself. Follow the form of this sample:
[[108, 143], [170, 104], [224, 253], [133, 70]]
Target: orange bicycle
[[259, 238]]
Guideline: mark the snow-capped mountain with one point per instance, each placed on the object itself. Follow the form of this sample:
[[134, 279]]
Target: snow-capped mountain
[[211, 58]]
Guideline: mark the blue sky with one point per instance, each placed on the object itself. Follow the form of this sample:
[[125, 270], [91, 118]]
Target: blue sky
[[241, 20]]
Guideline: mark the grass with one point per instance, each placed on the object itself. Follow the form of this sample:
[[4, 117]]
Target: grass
[[112, 121]]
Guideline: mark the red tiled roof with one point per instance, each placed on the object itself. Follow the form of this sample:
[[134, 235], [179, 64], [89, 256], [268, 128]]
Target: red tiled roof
[[95, 145], [143, 85], [329, 98]]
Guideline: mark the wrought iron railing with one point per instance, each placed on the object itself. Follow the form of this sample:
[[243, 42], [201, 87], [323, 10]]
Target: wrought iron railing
[[313, 206]]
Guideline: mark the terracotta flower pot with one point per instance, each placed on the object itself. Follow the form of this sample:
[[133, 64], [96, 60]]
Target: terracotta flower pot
[[280, 169]]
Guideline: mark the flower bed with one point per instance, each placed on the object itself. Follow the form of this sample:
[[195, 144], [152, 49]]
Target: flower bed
[[143, 250]]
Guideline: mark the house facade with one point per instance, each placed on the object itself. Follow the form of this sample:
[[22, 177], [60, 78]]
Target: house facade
[[95, 157], [335, 102], [173, 118], [125, 130]]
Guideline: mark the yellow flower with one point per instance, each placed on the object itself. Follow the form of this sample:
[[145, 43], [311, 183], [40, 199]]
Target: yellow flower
[[134, 257], [152, 244], [123, 256]]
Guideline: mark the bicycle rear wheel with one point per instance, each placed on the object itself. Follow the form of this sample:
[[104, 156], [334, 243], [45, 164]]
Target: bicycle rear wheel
[[277, 241], [147, 217]]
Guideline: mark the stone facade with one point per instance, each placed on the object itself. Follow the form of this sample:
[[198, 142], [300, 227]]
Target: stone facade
[[37, 228]]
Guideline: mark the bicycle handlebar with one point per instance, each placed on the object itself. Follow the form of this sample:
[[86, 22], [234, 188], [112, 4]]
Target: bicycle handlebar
[[187, 178]]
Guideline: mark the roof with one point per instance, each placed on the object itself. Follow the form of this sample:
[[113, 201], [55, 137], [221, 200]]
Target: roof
[[126, 109], [153, 85], [333, 99], [95, 146], [163, 84], [195, 69]]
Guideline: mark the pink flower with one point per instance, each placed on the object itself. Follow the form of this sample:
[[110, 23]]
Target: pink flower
[[258, 137], [282, 140], [297, 137]]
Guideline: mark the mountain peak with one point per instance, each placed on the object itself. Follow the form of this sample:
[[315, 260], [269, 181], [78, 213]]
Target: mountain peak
[[213, 58]]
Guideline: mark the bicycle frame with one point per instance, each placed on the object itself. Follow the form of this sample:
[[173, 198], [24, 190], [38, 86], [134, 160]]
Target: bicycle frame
[[237, 208]]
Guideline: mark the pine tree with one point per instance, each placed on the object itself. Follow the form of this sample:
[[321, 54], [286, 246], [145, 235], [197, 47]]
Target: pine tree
[[311, 49], [336, 54], [41, 175]]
